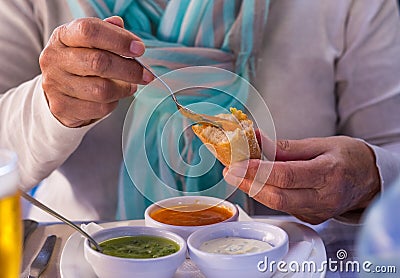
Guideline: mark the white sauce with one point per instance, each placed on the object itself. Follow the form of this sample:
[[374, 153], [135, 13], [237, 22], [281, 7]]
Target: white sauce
[[234, 246]]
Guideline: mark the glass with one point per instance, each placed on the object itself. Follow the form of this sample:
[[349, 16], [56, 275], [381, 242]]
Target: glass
[[10, 216], [378, 244]]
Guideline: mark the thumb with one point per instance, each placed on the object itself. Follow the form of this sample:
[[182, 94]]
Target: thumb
[[116, 20], [267, 145]]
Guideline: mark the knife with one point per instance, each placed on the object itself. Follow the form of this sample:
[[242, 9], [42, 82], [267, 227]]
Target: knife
[[29, 227], [42, 259]]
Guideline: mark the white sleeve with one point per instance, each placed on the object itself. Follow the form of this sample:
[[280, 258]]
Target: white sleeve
[[368, 83], [368, 87], [388, 163], [28, 127], [26, 123]]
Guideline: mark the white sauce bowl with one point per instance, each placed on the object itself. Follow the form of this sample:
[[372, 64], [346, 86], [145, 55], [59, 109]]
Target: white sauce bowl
[[241, 265]]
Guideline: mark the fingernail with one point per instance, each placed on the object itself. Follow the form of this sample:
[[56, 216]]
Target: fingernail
[[116, 20], [136, 48], [133, 89], [147, 76]]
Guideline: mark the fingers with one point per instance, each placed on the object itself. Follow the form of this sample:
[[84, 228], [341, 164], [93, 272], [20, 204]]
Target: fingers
[[98, 51], [290, 175], [94, 62], [267, 146], [76, 101], [91, 88], [304, 149], [286, 200], [299, 165], [84, 112], [96, 33], [302, 203], [116, 20], [334, 179], [87, 66], [286, 150]]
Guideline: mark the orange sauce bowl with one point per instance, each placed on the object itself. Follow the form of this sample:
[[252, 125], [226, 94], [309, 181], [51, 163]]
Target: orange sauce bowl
[[186, 214]]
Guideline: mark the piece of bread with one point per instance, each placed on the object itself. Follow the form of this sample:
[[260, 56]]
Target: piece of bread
[[230, 146]]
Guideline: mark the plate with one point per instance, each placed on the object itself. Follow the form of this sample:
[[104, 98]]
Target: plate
[[305, 246]]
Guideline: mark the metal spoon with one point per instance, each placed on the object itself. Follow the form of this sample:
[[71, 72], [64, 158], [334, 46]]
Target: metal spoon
[[196, 117], [45, 208]]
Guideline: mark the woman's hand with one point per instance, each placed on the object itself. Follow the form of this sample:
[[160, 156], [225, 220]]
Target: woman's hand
[[84, 73], [312, 179]]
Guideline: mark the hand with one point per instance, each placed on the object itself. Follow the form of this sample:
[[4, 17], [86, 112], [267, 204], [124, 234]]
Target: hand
[[84, 73], [313, 179]]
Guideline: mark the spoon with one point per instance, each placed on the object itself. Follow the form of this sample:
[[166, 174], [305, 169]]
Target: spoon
[[196, 117], [35, 202]]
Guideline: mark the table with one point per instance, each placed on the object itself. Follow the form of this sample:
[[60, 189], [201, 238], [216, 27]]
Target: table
[[336, 236]]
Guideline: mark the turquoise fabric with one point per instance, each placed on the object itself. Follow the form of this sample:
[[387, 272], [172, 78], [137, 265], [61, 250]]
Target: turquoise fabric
[[179, 34]]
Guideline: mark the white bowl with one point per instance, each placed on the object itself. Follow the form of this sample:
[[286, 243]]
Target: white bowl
[[106, 266], [185, 231], [240, 265]]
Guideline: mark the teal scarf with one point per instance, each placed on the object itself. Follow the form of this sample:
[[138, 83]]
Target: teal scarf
[[179, 34]]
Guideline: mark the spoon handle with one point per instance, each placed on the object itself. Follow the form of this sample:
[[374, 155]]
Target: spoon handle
[[196, 117], [40, 205], [159, 79]]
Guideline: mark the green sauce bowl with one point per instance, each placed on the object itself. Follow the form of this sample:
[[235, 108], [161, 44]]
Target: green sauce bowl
[[136, 250]]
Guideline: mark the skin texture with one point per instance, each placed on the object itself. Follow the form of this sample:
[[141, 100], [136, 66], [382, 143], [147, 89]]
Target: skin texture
[[84, 73], [313, 179]]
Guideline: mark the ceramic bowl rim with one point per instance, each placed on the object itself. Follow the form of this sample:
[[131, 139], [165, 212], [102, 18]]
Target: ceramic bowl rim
[[235, 212]]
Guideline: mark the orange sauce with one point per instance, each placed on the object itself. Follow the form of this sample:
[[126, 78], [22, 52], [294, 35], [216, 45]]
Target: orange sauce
[[191, 215]]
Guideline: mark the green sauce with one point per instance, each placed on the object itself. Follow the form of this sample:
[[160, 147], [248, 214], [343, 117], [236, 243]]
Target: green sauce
[[139, 247]]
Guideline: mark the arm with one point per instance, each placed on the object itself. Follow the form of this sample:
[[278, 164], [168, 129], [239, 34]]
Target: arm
[[28, 127], [319, 178], [26, 124], [368, 84], [83, 75], [369, 87]]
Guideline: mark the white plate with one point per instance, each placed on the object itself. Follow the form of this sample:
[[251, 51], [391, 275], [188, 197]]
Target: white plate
[[304, 245]]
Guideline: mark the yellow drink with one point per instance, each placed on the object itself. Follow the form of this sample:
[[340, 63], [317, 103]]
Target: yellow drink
[[10, 217], [10, 236]]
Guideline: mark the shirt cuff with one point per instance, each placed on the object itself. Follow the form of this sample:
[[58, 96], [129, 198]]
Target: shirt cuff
[[388, 164]]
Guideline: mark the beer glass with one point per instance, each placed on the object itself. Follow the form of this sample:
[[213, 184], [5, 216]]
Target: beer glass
[[10, 216]]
